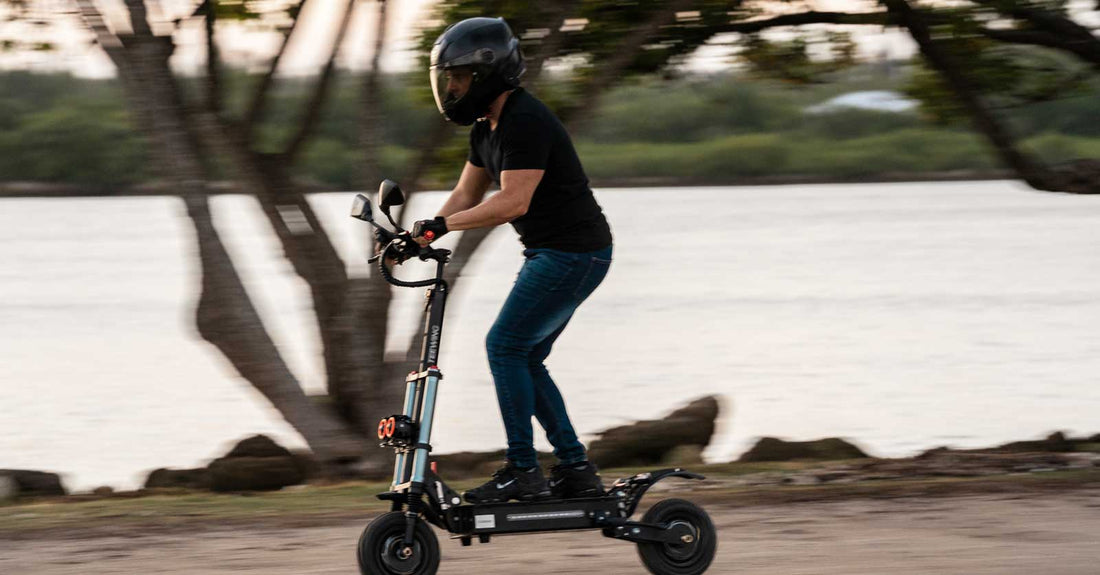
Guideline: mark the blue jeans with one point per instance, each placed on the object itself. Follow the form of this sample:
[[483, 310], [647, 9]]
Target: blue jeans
[[550, 286]]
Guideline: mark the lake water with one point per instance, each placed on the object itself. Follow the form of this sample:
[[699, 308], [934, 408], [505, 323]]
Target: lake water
[[899, 316]]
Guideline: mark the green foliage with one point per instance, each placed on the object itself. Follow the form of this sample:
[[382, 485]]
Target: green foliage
[[234, 10], [59, 129], [1062, 148], [848, 123], [733, 156], [1005, 75], [693, 129], [1076, 115], [72, 144], [778, 59], [688, 111], [909, 151], [335, 163]]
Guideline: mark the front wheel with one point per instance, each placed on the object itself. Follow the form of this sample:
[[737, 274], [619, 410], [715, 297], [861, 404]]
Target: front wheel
[[690, 557], [382, 548]]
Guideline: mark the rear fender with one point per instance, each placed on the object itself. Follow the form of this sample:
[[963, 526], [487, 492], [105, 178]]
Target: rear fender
[[632, 489]]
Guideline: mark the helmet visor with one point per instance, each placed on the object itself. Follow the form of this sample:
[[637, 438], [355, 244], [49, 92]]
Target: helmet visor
[[450, 84]]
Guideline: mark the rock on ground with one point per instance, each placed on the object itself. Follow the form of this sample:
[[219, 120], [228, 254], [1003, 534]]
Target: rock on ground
[[33, 483], [773, 449], [650, 442], [256, 463]]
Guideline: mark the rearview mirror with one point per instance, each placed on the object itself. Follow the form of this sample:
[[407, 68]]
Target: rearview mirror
[[360, 208], [390, 194]]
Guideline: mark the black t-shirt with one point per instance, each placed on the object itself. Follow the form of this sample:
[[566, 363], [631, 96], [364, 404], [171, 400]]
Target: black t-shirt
[[563, 214]]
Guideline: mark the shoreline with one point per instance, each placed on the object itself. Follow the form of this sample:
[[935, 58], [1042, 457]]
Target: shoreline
[[156, 188]]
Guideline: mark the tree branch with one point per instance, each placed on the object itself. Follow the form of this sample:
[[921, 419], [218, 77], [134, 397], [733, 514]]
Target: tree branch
[[804, 18], [1071, 36], [107, 39], [213, 63], [1082, 50], [139, 19], [371, 114], [553, 41], [258, 104], [625, 54], [1029, 168], [320, 92]]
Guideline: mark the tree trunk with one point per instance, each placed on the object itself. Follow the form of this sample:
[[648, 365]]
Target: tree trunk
[[227, 319], [225, 315]]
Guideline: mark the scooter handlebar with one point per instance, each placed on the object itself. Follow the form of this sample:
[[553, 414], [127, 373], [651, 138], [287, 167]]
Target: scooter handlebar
[[400, 248]]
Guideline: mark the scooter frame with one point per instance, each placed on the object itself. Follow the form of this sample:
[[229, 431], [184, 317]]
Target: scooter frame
[[420, 494]]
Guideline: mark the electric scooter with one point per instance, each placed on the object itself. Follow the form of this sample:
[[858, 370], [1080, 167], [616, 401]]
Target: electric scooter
[[674, 537]]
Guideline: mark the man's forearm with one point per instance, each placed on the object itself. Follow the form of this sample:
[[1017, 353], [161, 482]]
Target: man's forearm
[[496, 210], [456, 202]]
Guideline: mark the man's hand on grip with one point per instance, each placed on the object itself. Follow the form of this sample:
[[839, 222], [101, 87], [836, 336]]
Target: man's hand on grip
[[427, 231]]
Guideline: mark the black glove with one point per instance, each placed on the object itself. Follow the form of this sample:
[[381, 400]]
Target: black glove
[[430, 230]]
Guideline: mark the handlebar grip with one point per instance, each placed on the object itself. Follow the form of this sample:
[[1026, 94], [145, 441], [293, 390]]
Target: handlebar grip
[[388, 276]]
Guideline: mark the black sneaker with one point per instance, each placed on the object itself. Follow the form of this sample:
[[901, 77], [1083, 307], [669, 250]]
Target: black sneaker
[[511, 482], [576, 480]]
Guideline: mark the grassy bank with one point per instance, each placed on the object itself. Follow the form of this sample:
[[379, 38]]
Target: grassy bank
[[918, 152]]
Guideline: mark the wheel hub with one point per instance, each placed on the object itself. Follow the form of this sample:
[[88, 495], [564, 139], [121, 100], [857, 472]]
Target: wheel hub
[[399, 558], [684, 550]]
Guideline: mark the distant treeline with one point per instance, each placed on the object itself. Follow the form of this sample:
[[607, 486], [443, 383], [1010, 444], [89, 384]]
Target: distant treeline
[[56, 128]]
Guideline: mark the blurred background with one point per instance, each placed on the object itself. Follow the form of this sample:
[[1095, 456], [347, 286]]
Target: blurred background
[[873, 220]]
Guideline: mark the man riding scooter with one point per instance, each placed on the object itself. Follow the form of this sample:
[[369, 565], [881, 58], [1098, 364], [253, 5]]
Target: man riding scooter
[[517, 143]]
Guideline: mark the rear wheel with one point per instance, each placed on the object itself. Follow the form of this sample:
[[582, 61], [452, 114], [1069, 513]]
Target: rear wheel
[[382, 548], [693, 555]]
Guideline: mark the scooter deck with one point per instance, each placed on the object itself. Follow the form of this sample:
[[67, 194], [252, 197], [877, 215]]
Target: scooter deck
[[528, 517]]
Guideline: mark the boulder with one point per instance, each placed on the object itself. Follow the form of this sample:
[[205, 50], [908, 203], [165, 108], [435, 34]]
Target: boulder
[[308, 464], [254, 473], [649, 442], [258, 446], [33, 483], [772, 449], [103, 491], [1054, 443], [256, 463], [9, 489], [179, 479]]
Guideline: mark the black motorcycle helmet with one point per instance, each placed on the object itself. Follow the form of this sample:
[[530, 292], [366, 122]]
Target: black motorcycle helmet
[[487, 49]]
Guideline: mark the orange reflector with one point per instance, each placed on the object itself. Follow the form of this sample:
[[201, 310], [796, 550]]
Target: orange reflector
[[390, 424], [382, 429]]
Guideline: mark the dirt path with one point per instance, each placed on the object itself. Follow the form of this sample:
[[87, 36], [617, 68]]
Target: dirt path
[[1054, 534]]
